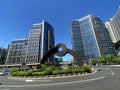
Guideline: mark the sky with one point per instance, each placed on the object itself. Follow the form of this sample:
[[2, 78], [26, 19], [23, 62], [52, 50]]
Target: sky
[[17, 16]]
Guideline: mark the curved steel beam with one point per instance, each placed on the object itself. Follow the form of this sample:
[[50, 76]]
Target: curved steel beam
[[63, 52], [79, 61], [48, 54]]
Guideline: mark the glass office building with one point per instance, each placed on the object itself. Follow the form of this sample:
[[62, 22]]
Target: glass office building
[[40, 40], [113, 26], [89, 37], [17, 51]]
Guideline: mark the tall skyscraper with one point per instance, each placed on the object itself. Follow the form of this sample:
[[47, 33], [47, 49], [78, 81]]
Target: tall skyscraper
[[113, 26], [41, 39], [31, 50], [90, 39]]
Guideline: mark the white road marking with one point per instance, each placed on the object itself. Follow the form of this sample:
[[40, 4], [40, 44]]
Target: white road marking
[[29, 80], [5, 89], [51, 84], [112, 73], [34, 80]]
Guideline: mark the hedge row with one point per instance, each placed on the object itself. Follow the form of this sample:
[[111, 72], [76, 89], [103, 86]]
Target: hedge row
[[51, 71], [21, 73]]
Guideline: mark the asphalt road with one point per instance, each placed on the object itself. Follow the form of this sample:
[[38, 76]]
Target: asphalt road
[[106, 79]]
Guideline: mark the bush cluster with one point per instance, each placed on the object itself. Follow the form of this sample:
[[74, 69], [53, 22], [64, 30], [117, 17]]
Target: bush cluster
[[106, 59], [21, 73], [51, 70], [13, 70], [86, 68]]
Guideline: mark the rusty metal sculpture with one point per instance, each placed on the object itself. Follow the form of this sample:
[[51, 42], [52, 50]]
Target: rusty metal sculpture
[[63, 52]]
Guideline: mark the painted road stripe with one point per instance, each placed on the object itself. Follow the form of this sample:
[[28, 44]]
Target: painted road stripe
[[52, 84], [30, 80], [112, 73]]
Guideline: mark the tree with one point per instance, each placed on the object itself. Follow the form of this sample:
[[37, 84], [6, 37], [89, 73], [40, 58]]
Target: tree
[[109, 58], [94, 62], [103, 59]]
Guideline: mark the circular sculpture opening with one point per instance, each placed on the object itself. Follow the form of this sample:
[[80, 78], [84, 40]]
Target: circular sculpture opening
[[60, 49]]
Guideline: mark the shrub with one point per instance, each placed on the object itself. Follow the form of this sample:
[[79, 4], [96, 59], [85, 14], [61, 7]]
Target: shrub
[[53, 67], [71, 67], [72, 70], [43, 73], [94, 62], [21, 73], [13, 70], [116, 61], [58, 68], [61, 72], [66, 71], [43, 67], [49, 70], [39, 74], [14, 73], [81, 70], [28, 73], [35, 73], [76, 70], [55, 72], [86, 68]]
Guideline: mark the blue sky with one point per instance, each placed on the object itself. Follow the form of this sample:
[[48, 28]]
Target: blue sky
[[17, 16]]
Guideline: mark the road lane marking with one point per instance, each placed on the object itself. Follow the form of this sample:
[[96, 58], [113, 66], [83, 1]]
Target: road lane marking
[[112, 73], [29, 80], [33, 80], [51, 84]]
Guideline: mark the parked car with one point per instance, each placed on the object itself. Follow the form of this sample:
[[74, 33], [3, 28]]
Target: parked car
[[3, 73]]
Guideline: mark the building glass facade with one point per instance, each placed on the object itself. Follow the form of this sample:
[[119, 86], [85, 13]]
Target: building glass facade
[[103, 38], [40, 40], [113, 26], [90, 45], [17, 51], [34, 43], [87, 38], [76, 39]]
